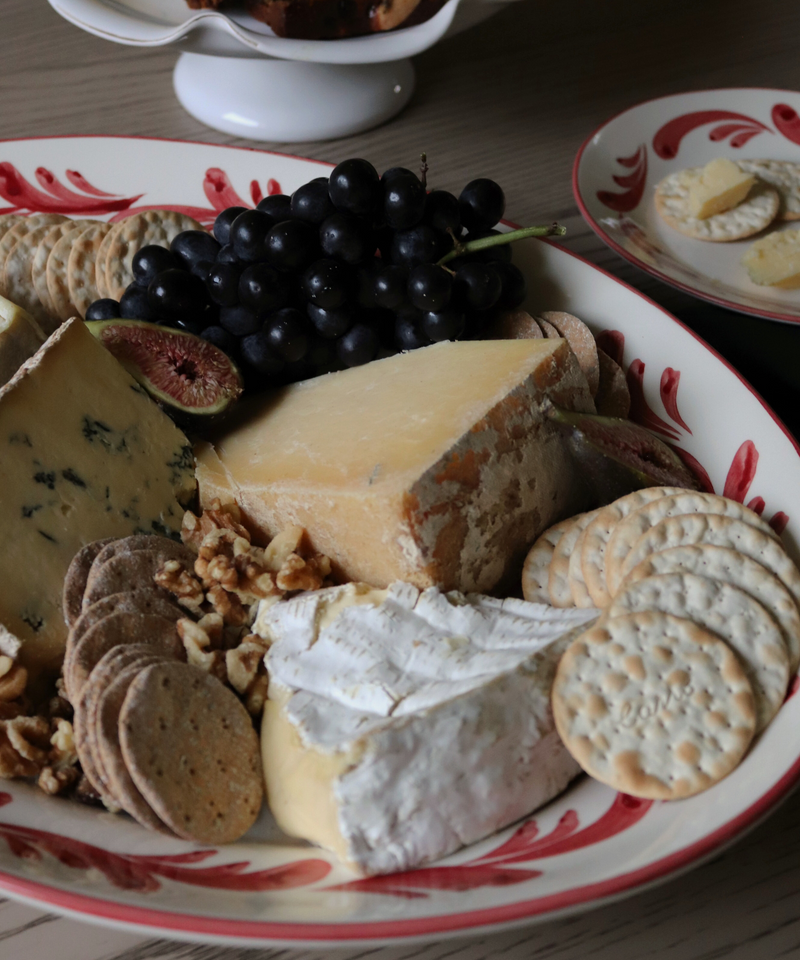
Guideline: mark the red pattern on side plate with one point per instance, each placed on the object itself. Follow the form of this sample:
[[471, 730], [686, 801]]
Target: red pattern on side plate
[[667, 140], [634, 182], [786, 121], [524, 845], [131, 872]]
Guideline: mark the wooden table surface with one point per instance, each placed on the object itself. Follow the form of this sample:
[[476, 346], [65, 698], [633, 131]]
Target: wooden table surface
[[512, 99]]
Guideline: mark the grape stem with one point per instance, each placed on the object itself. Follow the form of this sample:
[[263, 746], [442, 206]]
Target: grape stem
[[472, 246]]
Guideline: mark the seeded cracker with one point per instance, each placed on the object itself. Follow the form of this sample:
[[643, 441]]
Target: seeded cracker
[[638, 522], [730, 566], [155, 226], [149, 600], [39, 265], [558, 577], [81, 267], [751, 216], [582, 342], [77, 575], [653, 706], [598, 533], [116, 630], [101, 261], [191, 750], [730, 614], [784, 176], [17, 279], [536, 569], [18, 230]]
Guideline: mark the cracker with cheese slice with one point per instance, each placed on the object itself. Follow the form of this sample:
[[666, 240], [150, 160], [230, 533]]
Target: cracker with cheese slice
[[751, 216]]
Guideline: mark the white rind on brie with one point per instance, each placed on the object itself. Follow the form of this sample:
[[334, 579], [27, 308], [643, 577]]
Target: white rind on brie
[[403, 725]]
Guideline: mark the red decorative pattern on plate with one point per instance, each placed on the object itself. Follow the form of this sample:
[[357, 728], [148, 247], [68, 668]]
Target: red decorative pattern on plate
[[741, 472], [523, 845], [667, 140], [93, 202], [130, 872], [670, 380], [634, 182], [641, 411], [786, 121]]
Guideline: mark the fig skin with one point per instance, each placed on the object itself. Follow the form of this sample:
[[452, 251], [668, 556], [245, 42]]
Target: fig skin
[[216, 382], [616, 456]]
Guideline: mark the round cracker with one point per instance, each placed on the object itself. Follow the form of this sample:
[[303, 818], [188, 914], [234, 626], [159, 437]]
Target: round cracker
[[81, 266], [697, 528], [190, 747], [638, 522], [17, 280], [124, 571], [730, 614], [577, 583], [730, 566], [172, 549], [7, 221], [751, 216], [598, 533], [101, 261], [536, 569], [581, 341], [24, 226], [116, 630], [111, 764], [613, 397], [151, 600], [75, 580], [784, 176], [57, 285], [39, 265], [153, 226], [653, 705], [515, 324], [558, 576], [548, 329]]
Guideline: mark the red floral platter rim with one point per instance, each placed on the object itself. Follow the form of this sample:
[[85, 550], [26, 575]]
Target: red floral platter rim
[[642, 264], [182, 925]]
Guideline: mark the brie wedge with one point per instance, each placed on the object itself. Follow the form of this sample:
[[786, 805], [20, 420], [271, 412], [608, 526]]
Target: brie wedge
[[403, 725]]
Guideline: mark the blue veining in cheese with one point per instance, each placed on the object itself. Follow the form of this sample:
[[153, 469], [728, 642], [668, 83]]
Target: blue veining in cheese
[[84, 454]]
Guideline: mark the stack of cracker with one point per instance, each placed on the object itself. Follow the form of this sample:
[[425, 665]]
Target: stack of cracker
[[698, 637], [161, 739], [55, 267]]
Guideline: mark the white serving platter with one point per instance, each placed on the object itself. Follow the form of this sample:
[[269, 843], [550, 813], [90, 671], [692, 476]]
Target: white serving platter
[[588, 846], [618, 167]]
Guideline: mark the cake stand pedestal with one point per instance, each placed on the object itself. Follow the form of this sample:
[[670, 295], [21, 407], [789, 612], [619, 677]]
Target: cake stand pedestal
[[261, 98]]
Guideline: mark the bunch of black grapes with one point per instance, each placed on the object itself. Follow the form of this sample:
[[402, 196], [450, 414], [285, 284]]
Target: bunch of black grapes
[[345, 269]]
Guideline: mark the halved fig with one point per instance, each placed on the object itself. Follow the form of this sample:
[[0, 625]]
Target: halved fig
[[184, 373], [616, 456]]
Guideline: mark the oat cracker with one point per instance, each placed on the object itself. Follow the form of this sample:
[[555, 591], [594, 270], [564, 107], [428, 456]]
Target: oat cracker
[[751, 216], [75, 580], [581, 341], [121, 572], [192, 752], [730, 614], [653, 705], [155, 226]]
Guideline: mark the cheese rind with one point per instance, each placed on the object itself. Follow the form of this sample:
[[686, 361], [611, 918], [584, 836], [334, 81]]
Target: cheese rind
[[720, 187], [774, 260], [432, 467], [401, 726], [84, 454]]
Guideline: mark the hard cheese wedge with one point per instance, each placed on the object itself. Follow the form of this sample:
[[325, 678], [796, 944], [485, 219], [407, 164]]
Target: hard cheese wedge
[[20, 337], [85, 454], [434, 467], [774, 260], [401, 726], [720, 187]]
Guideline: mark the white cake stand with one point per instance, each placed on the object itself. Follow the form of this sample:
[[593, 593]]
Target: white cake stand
[[235, 75]]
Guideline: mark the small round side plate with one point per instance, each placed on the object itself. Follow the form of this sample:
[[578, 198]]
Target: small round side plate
[[619, 166]]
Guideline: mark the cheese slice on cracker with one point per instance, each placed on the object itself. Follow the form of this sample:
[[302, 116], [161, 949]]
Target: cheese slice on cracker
[[721, 186]]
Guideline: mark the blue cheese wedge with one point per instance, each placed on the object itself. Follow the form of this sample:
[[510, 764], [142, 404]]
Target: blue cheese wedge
[[402, 725], [84, 454]]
